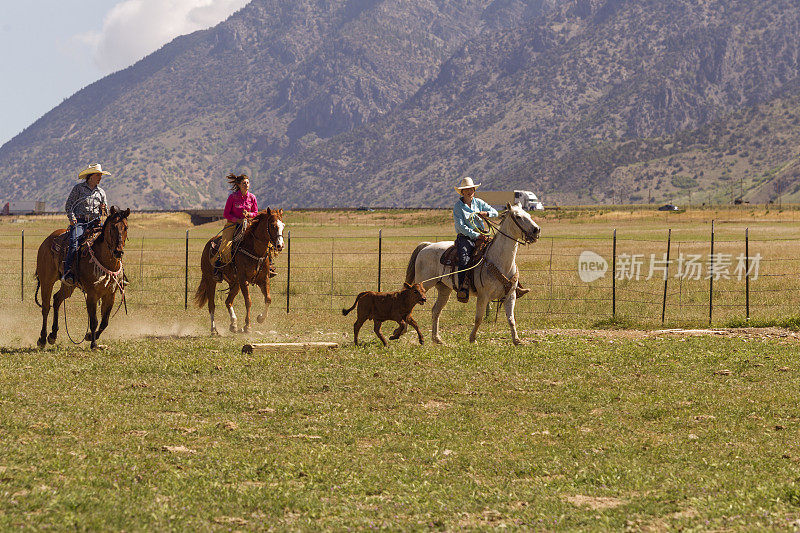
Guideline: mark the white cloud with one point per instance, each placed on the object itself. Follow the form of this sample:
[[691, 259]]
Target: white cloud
[[135, 28]]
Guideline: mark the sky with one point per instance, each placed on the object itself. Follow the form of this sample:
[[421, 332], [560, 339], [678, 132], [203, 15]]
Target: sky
[[53, 48]]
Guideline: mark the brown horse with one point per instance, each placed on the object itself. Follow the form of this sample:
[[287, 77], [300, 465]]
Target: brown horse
[[249, 265], [99, 274]]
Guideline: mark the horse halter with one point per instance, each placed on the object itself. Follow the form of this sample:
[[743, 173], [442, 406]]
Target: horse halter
[[526, 238]]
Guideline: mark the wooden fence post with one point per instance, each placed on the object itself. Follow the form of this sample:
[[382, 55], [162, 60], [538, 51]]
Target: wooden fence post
[[380, 253], [666, 277], [711, 278]]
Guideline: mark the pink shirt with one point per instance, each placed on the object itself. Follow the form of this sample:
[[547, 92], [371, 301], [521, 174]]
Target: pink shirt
[[237, 205]]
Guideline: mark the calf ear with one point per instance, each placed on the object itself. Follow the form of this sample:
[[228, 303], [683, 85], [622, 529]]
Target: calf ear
[[406, 285]]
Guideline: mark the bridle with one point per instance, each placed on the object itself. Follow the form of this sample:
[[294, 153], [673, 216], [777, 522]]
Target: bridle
[[272, 243], [526, 239]]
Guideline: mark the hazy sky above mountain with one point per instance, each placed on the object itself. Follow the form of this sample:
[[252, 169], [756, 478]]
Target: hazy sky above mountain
[[53, 48]]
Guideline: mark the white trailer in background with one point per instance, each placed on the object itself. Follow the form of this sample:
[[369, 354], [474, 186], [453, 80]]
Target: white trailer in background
[[22, 208], [526, 199]]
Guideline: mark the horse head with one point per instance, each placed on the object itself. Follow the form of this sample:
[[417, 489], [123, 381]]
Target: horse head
[[115, 231], [518, 223], [268, 226]]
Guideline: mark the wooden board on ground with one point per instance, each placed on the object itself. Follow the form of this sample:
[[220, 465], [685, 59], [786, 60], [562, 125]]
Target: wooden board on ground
[[290, 346]]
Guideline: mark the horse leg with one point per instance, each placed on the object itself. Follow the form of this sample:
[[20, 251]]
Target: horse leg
[[105, 312], [443, 292], [267, 300], [232, 292], [401, 328], [511, 299], [414, 325], [480, 312], [47, 294], [243, 286], [212, 306], [63, 293], [377, 330], [91, 309]]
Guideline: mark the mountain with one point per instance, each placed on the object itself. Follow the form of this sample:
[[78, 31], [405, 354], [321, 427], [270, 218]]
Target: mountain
[[272, 79], [389, 102]]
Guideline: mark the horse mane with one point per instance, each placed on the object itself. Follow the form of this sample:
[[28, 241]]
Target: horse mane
[[262, 215]]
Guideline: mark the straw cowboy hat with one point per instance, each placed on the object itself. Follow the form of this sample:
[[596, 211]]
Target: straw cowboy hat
[[466, 183], [92, 169]]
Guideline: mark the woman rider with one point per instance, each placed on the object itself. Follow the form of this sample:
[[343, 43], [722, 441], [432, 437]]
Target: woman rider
[[85, 205], [240, 207], [467, 221]]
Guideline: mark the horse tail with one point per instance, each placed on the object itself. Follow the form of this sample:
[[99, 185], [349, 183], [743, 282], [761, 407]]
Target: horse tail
[[345, 311], [205, 291], [411, 268], [36, 294]]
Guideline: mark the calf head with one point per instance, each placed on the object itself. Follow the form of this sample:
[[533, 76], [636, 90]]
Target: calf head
[[415, 293]]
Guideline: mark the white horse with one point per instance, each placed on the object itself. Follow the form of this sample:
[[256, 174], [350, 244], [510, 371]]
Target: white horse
[[495, 277]]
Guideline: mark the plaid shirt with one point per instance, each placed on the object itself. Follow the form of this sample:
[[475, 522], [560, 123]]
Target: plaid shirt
[[85, 202]]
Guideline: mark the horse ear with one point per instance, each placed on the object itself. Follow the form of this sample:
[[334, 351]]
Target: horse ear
[[269, 212], [508, 206], [280, 212], [126, 213], [113, 210], [406, 285]]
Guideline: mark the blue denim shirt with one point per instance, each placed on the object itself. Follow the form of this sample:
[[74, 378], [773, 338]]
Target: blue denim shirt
[[465, 223]]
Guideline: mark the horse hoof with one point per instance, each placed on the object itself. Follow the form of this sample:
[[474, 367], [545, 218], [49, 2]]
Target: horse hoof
[[233, 329], [87, 337], [261, 319], [41, 343], [517, 342], [215, 333], [245, 330], [437, 340], [51, 339]]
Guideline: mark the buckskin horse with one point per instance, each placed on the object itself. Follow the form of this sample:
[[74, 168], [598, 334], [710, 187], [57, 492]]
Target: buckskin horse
[[99, 274], [495, 277], [249, 265]]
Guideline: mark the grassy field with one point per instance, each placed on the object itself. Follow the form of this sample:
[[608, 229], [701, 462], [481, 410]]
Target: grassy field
[[580, 428]]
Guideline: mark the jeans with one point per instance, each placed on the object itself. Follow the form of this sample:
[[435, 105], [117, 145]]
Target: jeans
[[75, 231], [464, 247]]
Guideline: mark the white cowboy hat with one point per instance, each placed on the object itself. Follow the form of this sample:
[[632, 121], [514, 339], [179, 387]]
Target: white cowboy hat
[[92, 169], [466, 183]]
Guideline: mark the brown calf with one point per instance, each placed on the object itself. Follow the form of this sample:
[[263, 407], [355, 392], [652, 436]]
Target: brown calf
[[382, 306]]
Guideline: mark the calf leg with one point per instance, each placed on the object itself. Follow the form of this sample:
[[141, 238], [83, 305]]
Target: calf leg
[[414, 325], [356, 327], [401, 328], [377, 330]]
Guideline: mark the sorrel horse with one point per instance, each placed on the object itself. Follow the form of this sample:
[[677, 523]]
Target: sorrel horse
[[495, 277], [249, 265], [99, 275]]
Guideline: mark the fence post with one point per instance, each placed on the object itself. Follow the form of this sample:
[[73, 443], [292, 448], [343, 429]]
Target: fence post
[[332, 246], [288, 267], [711, 277], [22, 269], [614, 277], [747, 270], [666, 277], [186, 275], [380, 253]]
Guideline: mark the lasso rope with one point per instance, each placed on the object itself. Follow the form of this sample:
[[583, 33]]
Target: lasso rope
[[453, 272]]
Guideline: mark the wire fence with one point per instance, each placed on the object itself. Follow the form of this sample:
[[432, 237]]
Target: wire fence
[[659, 277]]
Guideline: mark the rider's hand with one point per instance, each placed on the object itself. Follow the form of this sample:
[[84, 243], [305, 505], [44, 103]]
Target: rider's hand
[[484, 214]]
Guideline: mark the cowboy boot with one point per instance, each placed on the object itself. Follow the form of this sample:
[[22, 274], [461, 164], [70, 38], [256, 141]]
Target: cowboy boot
[[218, 271]]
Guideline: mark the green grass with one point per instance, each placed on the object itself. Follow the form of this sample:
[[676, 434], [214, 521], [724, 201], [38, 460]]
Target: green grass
[[651, 431], [576, 430]]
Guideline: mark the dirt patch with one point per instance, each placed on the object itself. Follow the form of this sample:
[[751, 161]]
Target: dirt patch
[[636, 334], [595, 503]]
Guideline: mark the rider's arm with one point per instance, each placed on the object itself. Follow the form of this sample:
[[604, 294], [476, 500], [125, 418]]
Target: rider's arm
[[484, 207], [461, 223], [228, 213], [69, 206], [255, 204]]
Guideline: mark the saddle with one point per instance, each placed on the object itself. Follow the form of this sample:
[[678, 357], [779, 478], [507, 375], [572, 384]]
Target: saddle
[[450, 258], [60, 244]]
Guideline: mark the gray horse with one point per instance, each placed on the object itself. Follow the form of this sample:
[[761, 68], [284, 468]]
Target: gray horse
[[495, 277]]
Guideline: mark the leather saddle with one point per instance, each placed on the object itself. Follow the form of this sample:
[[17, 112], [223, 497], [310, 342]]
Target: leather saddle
[[450, 256], [60, 244]]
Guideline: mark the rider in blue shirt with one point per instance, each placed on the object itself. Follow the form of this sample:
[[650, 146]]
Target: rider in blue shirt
[[469, 226]]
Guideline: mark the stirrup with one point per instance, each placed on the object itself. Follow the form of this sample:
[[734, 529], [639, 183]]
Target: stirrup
[[69, 278], [522, 291], [272, 272]]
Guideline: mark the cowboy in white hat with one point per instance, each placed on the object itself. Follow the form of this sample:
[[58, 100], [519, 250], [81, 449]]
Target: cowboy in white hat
[[84, 207], [469, 226]]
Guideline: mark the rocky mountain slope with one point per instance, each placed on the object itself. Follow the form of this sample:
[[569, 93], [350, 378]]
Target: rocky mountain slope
[[388, 102]]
